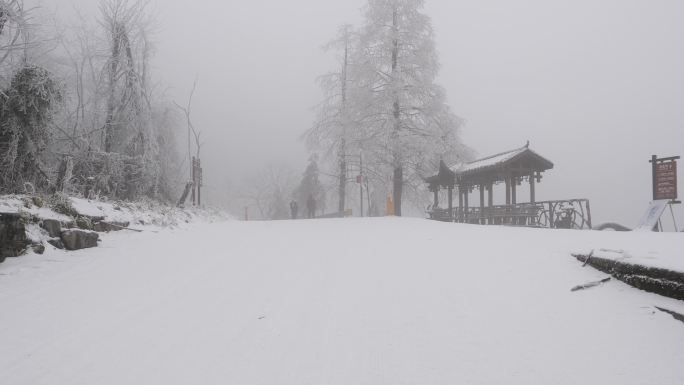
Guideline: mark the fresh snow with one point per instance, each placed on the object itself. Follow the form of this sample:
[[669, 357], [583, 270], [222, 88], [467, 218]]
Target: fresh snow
[[136, 214], [348, 301], [15, 204]]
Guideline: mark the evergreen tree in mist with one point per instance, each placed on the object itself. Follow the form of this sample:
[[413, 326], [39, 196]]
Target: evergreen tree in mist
[[311, 186]]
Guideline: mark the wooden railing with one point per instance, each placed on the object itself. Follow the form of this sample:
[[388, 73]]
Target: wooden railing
[[567, 214]]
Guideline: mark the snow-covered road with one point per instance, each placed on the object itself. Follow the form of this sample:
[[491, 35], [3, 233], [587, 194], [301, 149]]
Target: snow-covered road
[[382, 301]]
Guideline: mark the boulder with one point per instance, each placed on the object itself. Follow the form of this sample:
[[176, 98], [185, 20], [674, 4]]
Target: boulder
[[57, 242], [53, 227], [38, 248], [79, 239], [13, 240], [84, 223]]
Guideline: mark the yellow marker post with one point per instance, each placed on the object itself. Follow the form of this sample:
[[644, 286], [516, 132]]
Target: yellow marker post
[[390, 207]]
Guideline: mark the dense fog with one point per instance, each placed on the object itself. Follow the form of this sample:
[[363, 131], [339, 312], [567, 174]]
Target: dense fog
[[596, 87]]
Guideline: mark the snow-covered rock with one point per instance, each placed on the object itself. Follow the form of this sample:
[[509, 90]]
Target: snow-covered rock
[[52, 226], [79, 239], [13, 240]]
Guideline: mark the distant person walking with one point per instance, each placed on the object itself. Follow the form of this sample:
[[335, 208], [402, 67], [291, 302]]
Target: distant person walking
[[311, 205], [294, 208]]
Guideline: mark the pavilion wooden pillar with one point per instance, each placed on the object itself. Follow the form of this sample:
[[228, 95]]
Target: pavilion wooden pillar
[[483, 221], [514, 191], [490, 202], [514, 200], [533, 188], [460, 204], [466, 195], [508, 198], [436, 192], [508, 191], [451, 203]]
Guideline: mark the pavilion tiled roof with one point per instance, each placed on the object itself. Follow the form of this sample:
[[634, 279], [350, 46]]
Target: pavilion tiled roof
[[500, 160]]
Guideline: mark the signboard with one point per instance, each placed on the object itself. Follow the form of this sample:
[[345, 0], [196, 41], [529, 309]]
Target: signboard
[[650, 219], [664, 178]]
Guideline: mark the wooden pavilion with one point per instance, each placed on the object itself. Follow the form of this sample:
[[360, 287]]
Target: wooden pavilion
[[510, 168]]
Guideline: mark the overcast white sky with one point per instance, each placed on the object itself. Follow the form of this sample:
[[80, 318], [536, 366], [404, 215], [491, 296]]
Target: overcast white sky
[[597, 86]]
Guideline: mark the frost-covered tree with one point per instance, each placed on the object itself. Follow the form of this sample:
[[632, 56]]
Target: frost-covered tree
[[26, 109], [266, 192], [405, 123], [333, 131], [126, 76], [14, 35], [119, 132], [78, 112], [311, 186]]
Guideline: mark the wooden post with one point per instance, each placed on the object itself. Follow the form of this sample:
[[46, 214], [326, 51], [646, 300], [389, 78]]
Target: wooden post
[[482, 205], [508, 199], [451, 203], [436, 191], [199, 183], [514, 191], [460, 204], [466, 195], [533, 186], [508, 191], [654, 165], [490, 201], [194, 181]]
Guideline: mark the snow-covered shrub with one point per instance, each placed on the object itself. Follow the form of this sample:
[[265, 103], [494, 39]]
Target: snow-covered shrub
[[25, 112]]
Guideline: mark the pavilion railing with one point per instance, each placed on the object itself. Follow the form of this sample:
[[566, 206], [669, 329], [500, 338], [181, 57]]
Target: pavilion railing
[[562, 214]]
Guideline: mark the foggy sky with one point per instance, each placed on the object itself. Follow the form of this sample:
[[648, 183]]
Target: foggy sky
[[596, 86]]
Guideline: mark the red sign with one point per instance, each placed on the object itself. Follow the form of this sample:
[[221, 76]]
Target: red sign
[[666, 180], [359, 179]]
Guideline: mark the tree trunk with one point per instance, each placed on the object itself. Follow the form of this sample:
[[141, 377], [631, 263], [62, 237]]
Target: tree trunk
[[398, 168], [111, 100], [398, 187], [343, 185]]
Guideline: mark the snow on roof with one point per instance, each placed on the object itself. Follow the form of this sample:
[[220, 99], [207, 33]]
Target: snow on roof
[[495, 160]]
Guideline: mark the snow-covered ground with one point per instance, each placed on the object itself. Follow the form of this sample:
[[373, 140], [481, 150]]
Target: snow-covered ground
[[348, 301], [144, 213]]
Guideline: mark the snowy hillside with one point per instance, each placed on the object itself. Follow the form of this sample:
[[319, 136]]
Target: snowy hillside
[[382, 301]]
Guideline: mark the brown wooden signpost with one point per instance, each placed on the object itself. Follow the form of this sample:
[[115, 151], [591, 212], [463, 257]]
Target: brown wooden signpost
[[665, 178]]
